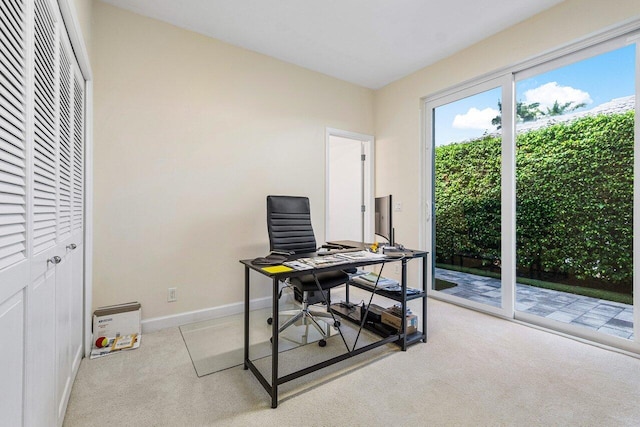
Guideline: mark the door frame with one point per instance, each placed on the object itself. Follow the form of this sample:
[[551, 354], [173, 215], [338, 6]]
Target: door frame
[[627, 33], [369, 176], [504, 82]]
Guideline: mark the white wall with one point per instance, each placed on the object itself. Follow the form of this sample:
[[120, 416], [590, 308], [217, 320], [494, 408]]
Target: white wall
[[190, 135]]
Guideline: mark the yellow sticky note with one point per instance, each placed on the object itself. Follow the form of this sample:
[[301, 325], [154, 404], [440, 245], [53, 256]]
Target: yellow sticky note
[[277, 269]]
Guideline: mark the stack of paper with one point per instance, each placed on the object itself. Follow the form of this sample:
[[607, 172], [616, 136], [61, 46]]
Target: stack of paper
[[298, 265], [323, 261], [384, 283], [360, 256]]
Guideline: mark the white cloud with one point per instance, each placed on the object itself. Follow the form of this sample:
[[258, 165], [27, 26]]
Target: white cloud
[[475, 119], [551, 92]]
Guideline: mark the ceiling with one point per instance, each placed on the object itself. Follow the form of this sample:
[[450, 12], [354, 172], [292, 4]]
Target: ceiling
[[367, 42]]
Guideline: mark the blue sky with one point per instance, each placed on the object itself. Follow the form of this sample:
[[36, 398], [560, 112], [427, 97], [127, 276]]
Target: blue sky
[[594, 81]]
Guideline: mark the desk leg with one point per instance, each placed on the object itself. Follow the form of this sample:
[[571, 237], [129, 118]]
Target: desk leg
[[403, 323], [424, 300], [246, 317], [274, 346], [346, 294]]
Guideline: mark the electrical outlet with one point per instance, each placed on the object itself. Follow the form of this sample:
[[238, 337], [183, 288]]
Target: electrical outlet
[[171, 296]]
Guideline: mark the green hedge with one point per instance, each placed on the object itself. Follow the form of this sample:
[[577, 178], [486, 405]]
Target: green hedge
[[574, 200]]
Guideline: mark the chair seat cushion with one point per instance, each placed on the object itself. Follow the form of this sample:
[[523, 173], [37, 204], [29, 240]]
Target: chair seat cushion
[[327, 280]]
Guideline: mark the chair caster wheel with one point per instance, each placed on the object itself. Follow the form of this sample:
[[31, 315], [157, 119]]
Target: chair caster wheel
[[336, 324], [269, 320], [271, 340], [322, 343]]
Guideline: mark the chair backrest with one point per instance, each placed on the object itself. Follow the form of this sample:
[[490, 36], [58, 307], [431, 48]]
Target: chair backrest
[[289, 224]]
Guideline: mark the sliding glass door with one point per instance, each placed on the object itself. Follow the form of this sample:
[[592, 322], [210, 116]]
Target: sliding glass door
[[467, 170], [531, 182], [574, 191]]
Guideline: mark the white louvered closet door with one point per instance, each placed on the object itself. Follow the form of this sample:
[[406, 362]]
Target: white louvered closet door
[[76, 245], [41, 213], [45, 151], [42, 374], [13, 207], [69, 272], [63, 270]]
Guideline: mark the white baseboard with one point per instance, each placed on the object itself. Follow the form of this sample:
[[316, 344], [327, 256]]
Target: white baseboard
[[175, 320]]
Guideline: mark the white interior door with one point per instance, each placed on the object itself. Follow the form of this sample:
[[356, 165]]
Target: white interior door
[[349, 189]]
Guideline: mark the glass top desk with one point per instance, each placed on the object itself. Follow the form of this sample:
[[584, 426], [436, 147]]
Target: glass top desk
[[398, 337]]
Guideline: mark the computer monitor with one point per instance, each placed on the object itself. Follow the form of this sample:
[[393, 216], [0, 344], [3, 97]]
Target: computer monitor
[[383, 218]]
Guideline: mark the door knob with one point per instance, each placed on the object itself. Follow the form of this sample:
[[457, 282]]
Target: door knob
[[54, 260], [72, 246]]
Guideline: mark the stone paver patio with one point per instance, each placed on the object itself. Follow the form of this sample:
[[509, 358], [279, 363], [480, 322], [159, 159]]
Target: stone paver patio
[[609, 317]]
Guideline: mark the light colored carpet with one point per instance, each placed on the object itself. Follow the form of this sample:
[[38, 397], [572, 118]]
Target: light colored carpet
[[475, 370]]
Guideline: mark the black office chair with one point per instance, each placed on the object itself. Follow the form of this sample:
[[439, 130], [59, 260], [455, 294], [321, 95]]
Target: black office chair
[[289, 226]]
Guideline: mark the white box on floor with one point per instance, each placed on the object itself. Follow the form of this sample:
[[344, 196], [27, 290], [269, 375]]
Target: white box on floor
[[117, 320], [117, 327]]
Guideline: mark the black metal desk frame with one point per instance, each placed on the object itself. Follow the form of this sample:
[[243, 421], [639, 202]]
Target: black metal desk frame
[[401, 338]]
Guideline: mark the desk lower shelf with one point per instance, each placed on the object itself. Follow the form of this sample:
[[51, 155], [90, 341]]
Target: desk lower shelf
[[395, 296], [353, 315]]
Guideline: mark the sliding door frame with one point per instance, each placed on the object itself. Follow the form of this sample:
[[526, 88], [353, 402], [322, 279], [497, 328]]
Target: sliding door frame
[[562, 61], [505, 83], [607, 40]]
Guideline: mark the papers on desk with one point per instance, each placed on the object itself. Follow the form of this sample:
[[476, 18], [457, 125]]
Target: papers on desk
[[330, 260], [323, 261], [360, 256], [298, 265]]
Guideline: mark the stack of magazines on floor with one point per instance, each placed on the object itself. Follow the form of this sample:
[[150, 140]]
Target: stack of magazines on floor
[[383, 283]]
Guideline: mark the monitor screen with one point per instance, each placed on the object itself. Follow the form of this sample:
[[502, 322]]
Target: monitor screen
[[383, 218]]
